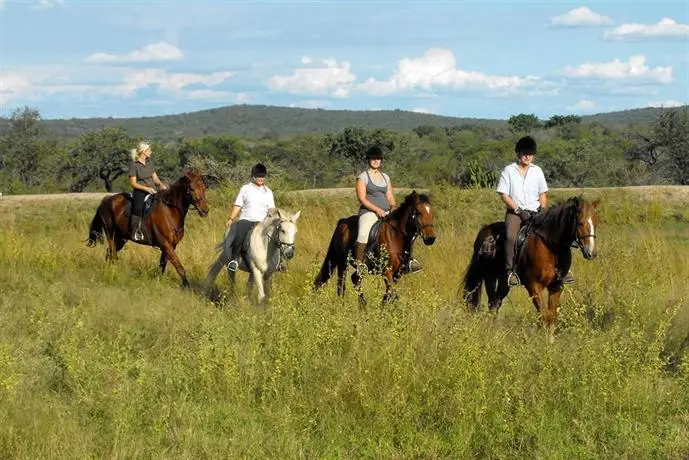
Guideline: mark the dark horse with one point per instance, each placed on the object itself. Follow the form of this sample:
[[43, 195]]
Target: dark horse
[[398, 231], [545, 255], [163, 227]]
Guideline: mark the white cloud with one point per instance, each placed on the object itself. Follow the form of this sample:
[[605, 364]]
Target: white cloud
[[421, 110], [47, 4], [668, 103], [34, 83], [583, 105], [2, 4], [437, 68], [327, 77], [313, 104], [580, 17], [172, 82], [160, 51], [634, 69], [666, 28], [216, 96]]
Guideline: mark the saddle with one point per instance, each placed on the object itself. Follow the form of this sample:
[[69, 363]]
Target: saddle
[[149, 204], [372, 244], [520, 242]]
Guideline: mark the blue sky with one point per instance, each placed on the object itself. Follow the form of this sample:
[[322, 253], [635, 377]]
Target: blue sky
[[71, 58]]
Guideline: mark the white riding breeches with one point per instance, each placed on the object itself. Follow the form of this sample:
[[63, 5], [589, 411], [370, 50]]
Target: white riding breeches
[[366, 222]]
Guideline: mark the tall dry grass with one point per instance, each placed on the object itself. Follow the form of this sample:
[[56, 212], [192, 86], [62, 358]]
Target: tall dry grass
[[117, 361]]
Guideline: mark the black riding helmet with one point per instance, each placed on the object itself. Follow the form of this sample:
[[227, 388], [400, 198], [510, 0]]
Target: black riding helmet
[[259, 170], [374, 152], [526, 145]]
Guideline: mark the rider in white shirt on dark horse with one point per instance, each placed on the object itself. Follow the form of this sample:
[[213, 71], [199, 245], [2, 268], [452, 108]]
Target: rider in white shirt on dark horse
[[523, 189]]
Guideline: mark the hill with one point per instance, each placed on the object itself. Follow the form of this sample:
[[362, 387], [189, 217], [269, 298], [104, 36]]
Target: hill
[[258, 121]]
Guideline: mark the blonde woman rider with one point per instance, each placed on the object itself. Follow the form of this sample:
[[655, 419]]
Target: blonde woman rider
[[143, 179]]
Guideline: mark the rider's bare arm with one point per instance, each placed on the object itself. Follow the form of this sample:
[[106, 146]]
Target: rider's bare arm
[[233, 214], [158, 182], [390, 196], [543, 200], [509, 202]]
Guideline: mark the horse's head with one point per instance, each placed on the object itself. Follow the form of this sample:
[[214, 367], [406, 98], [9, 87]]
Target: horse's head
[[196, 191], [587, 224], [420, 220], [285, 232]]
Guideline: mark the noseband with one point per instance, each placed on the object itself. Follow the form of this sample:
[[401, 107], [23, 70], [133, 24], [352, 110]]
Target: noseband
[[419, 228], [282, 246]]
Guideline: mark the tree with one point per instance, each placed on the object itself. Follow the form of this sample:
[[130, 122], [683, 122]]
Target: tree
[[20, 146], [352, 143], [561, 120], [672, 134], [523, 123], [103, 154]]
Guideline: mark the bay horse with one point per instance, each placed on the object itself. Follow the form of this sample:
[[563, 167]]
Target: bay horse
[[545, 256], [397, 233], [163, 227], [270, 246]]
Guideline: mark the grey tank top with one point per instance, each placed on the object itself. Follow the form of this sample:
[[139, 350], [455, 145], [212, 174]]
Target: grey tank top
[[376, 194]]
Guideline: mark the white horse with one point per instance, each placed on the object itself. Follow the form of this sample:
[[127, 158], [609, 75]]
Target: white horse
[[271, 245]]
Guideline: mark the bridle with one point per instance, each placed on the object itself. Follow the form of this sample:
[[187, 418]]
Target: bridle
[[579, 239], [282, 246], [418, 228]]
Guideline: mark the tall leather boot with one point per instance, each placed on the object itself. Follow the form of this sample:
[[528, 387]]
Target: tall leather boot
[[359, 254]]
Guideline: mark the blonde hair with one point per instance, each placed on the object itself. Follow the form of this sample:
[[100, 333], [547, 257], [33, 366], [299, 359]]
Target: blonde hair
[[140, 148]]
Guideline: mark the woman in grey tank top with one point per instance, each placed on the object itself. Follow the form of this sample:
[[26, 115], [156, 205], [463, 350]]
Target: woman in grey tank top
[[376, 199]]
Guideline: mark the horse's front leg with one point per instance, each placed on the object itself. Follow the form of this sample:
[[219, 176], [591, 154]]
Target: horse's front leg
[[554, 294], [390, 293], [163, 262], [258, 281], [356, 281], [536, 293], [268, 283], [169, 251]]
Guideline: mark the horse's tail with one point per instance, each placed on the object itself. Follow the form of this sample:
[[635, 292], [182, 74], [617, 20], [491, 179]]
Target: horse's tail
[[330, 261], [96, 229], [473, 278]]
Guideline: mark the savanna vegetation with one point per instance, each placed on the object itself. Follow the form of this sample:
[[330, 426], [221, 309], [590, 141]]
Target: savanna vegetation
[[574, 151], [116, 361]]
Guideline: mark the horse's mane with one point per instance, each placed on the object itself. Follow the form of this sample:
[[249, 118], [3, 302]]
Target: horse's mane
[[558, 220], [408, 203]]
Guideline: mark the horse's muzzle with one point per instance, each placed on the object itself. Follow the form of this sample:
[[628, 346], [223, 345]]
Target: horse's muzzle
[[288, 253], [428, 240], [588, 254], [203, 210]]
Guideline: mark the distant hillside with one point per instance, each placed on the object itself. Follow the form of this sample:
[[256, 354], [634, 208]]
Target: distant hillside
[[625, 117], [256, 121]]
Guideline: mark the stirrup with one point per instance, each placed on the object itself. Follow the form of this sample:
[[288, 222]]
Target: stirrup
[[568, 278], [232, 265], [414, 266], [138, 235], [513, 279]]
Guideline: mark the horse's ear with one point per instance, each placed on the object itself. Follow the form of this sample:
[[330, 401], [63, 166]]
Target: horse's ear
[[596, 203], [274, 212], [295, 217]]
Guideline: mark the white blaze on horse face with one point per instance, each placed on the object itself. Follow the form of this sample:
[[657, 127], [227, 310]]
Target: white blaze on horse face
[[590, 239], [290, 229]]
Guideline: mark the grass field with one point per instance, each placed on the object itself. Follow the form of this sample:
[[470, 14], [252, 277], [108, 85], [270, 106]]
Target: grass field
[[116, 361]]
